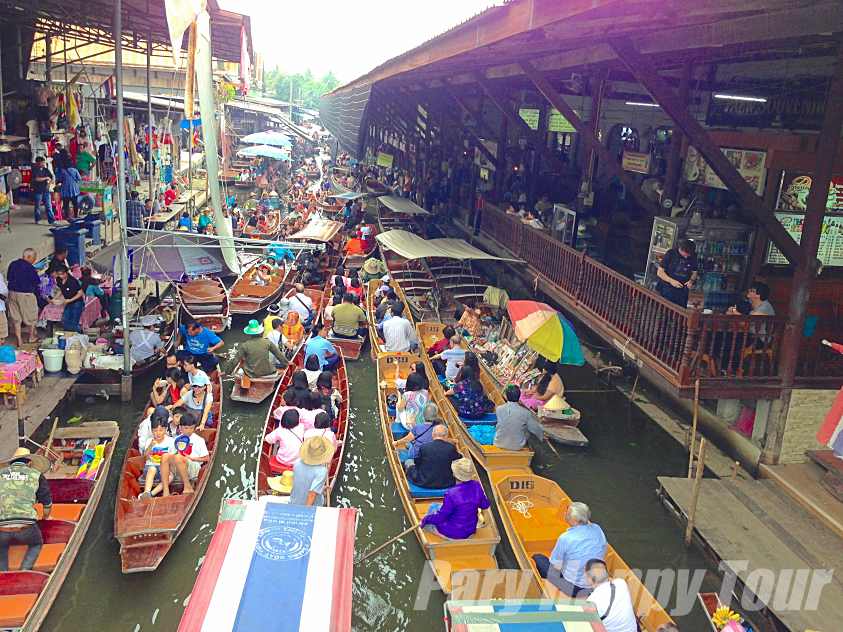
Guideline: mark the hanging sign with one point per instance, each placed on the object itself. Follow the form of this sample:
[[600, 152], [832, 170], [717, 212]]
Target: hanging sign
[[830, 251], [636, 161], [530, 116], [797, 107], [793, 195], [556, 122], [384, 160], [750, 163]]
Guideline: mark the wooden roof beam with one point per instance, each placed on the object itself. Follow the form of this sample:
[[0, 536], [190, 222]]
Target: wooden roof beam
[[665, 96]]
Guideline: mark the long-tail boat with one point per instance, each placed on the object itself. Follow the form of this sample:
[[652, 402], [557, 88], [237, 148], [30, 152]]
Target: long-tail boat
[[248, 298], [266, 467], [82, 455], [351, 347], [206, 300], [447, 556], [147, 528]]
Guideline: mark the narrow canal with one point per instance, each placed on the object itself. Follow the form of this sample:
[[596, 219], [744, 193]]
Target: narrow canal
[[616, 475]]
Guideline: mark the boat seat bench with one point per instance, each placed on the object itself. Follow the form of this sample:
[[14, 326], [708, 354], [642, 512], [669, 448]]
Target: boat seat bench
[[47, 558], [15, 608]]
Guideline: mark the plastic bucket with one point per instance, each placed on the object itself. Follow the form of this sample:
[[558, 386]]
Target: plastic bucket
[[53, 359]]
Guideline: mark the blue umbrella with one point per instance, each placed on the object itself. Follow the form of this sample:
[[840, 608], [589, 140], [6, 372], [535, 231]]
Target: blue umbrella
[[265, 151], [276, 139]]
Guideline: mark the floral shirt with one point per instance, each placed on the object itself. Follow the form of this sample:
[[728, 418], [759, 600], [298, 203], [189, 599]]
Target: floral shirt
[[470, 403]]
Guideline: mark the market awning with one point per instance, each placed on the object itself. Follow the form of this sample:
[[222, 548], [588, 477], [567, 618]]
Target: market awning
[[347, 195], [401, 205], [411, 246], [265, 151], [319, 229]]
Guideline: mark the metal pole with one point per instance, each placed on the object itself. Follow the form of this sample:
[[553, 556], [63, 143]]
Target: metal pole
[[291, 98], [126, 382], [150, 163]]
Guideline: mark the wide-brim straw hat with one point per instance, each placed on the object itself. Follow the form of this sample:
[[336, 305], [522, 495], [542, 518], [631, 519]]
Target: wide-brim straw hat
[[317, 451], [282, 484], [36, 461], [372, 266], [463, 469], [557, 402], [254, 328]]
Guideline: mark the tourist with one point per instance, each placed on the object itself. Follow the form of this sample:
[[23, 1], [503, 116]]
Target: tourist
[[312, 369], [168, 390], [22, 485], [668, 627], [454, 356], [288, 437], [421, 433], [185, 223], [201, 343], [301, 387], [135, 211], [412, 402], [191, 453], [383, 288], [69, 190], [327, 353], [355, 288], [470, 362], [303, 304], [295, 400], [24, 284], [349, 321], [41, 177], [456, 517], [582, 541], [336, 299], [419, 369], [155, 451], [677, 272], [611, 598], [330, 397], [384, 309], [515, 423], [468, 396], [275, 336], [205, 221], [549, 384], [72, 298], [171, 361], [399, 335], [199, 399], [171, 194], [253, 355], [443, 343], [757, 296], [292, 331], [191, 368], [148, 208], [145, 342], [432, 467], [310, 472], [322, 428], [373, 268]]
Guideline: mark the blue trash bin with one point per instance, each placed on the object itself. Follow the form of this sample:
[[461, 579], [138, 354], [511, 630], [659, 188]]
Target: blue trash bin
[[73, 239]]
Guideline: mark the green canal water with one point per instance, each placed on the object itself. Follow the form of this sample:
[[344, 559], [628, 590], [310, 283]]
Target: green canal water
[[616, 476]]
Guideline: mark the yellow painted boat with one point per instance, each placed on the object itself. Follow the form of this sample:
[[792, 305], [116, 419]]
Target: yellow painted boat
[[446, 556], [532, 510], [488, 457]]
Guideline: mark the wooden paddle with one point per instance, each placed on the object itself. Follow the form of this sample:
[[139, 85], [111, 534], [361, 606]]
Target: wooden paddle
[[387, 543]]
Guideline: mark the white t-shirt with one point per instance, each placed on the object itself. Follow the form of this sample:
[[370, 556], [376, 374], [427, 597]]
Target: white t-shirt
[[302, 304], [274, 337], [167, 446], [198, 447], [453, 361], [621, 616]]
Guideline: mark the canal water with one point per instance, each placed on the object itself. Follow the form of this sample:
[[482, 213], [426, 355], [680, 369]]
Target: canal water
[[616, 475]]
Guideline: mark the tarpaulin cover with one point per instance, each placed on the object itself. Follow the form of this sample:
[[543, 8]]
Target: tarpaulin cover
[[268, 137], [411, 246], [265, 151], [401, 205], [348, 195], [276, 568], [319, 229], [527, 614]]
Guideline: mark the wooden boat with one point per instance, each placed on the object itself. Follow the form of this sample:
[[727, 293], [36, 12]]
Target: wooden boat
[[376, 187], [355, 261], [488, 456], [414, 285], [351, 347], [148, 528], [258, 390], [169, 332], [315, 295], [447, 556], [26, 596], [532, 510], [710, 602], [247, 298], [273, 220], [206, 300], [265, 468]]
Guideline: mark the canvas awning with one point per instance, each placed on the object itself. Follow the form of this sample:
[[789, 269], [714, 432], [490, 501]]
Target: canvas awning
[[401, 205], [319, 229], [411, 246]]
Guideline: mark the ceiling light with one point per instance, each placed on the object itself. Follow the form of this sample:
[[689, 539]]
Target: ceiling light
[[6, 147], [738, 97], [643, 104]]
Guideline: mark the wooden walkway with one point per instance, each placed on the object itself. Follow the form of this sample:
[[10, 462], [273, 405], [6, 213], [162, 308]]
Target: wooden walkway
[[756, 522]]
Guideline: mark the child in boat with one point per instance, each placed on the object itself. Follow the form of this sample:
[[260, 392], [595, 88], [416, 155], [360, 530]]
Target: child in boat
[[330, 398], [191, 453], [312, 369], [288, 438], [262, 276], [322, 428], [159, 446]]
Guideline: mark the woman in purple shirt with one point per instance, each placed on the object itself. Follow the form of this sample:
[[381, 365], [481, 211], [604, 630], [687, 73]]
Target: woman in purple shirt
[[456, 518]]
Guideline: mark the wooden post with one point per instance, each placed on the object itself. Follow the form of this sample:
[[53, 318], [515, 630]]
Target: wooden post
[[695, 494], [694, 427]]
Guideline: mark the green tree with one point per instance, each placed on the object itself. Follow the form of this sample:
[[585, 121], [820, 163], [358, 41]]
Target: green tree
[[306, 88]]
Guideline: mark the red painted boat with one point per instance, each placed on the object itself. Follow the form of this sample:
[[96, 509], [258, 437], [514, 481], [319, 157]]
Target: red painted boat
[[206, 300]]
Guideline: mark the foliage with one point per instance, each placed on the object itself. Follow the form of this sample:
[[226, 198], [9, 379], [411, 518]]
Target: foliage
[[306, 88]]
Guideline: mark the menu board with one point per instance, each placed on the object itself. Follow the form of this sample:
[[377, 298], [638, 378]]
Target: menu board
[[751, 164], [556, 122], [384, 160], [793, 195], [830, 252]]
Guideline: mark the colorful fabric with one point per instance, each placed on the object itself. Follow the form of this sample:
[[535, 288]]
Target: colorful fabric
[[11, 375], [471, 403], [311, 549], [529, 614]]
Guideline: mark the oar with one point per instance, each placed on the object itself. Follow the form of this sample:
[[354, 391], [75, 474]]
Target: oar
[[550, 445], [387, 543]]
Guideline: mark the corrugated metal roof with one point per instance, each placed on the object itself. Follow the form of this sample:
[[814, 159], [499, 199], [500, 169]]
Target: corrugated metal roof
[[342, 112]]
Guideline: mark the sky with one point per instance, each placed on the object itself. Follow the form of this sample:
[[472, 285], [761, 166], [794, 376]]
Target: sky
[[347, 37]]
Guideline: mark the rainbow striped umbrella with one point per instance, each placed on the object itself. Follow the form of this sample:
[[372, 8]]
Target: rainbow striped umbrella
[[546, 331]]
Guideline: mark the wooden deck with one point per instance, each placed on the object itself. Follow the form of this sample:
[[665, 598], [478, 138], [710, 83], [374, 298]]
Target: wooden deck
[[754, 521]]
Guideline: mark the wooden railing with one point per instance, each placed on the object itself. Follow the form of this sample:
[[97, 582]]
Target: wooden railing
[[681, 344]]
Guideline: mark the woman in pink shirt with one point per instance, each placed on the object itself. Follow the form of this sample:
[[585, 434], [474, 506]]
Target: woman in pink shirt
[[289, 437]]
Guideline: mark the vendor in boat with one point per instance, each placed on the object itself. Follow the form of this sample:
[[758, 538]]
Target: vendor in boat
[[310, 473], [320, 346], [288, 437], [191, 454], [456, 517], [253, 355], [468, 396], [349, 321], [432, 467], [582, 541], [373, 268], [201, 343], [515, 422], [22, 485], [549, 384], [199, 398], [469, 320], [145, 342]]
